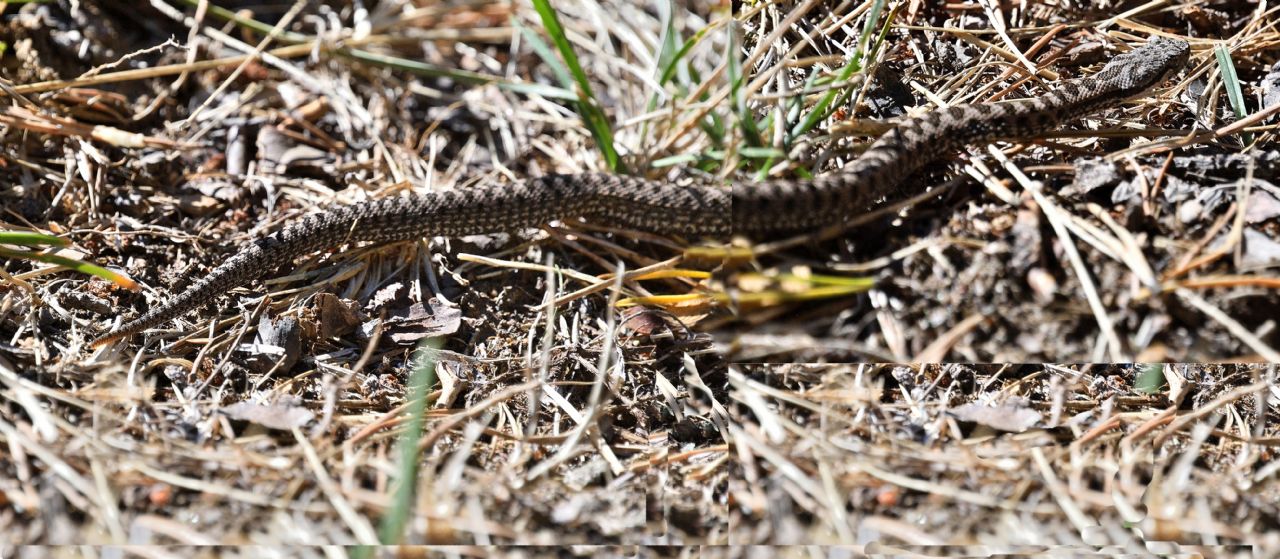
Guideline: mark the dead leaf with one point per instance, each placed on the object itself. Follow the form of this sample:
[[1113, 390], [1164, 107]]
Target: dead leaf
[[1260, 251], [280, 415], [277, 345], [407, 325], [1011, 416], [1262, 206], [337, 316]]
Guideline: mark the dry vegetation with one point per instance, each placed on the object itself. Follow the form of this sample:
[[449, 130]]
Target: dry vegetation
[[993, 459], [292, 418], [1148, 243], [276, 420]]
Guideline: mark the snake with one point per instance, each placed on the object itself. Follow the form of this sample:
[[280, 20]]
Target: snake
[[755, 210]]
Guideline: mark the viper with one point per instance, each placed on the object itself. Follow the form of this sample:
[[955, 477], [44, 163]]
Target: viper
[[756, 210]]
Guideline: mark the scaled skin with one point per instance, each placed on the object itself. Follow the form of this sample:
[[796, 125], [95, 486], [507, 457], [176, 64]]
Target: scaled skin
[[756, 210]]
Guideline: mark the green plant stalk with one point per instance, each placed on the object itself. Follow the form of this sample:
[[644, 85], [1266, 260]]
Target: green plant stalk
[[1231, 82], [77, 265], [24, 238], [588, 109], [421, 380]]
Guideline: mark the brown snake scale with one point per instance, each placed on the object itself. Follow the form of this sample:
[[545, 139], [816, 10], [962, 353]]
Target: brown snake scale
[[754, 210]]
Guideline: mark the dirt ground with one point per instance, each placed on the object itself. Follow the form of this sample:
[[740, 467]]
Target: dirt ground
[[283, 420], [1155, 238], [505, 394], [982, 460]]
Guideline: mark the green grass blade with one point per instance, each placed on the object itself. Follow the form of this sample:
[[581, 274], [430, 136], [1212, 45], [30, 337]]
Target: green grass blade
[[822, 109], [1150, 378], [751, 135], [548, 56], [1231, 83], [668, 53], [81, 266], [421, 380], [670, 62], [23, 238], [588, 108], [762, 153]]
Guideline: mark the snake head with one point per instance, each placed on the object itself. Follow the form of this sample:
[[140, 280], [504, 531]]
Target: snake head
[[1140, 69]]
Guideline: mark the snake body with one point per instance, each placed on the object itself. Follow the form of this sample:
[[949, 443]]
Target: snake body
[[764, 209], [756, 210]]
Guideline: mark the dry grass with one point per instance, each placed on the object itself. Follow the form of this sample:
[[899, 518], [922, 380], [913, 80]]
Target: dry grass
[[1160, 249], [560, 422], [1019, 458], [275, 420]]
